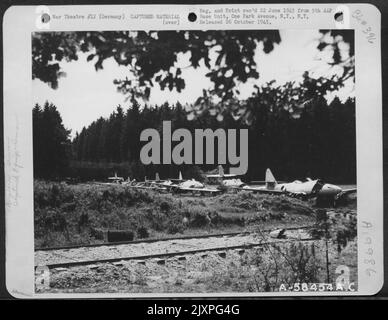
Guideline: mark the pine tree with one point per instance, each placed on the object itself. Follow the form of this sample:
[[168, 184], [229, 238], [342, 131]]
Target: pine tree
[[52, 149]]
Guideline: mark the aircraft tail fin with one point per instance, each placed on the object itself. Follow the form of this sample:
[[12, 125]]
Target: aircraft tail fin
[[180, 175], [221, 171], [270, 180]]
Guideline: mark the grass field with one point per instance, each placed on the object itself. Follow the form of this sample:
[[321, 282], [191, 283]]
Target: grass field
[[82, 214]]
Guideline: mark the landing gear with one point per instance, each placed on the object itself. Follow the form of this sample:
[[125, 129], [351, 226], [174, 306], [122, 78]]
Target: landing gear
[[301, 196], [324, 202], [340, 199]]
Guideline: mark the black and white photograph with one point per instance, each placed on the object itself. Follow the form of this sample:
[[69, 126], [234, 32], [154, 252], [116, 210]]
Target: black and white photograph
[[220, 161]]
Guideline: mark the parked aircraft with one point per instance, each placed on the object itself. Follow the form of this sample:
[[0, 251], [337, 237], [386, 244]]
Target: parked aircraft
[[229, 180], [233, 183], [157, 179], [147, 185], [309, 188], [221, 174], [115, 179], [181, 185]]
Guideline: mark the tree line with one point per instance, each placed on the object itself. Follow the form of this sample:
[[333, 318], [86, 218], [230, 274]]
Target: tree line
[[292, 128], [319, 142]]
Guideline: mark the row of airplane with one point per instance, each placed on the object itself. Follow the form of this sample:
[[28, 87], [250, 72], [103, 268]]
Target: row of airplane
[[304, 189], [297, 188], [179, 185]]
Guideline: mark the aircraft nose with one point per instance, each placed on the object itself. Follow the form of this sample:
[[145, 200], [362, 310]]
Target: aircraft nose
[[330, 189]]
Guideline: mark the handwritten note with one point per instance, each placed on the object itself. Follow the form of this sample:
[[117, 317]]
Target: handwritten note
[[367, 29], [13, 163]]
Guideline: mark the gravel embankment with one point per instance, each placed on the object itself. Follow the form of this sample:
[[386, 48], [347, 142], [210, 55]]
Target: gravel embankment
[[144, 248]]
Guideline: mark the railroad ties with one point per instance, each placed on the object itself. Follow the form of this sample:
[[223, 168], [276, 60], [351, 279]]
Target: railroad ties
[[67, 257]]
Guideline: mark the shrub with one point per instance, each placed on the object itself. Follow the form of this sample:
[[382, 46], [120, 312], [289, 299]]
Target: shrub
[[175, 228], [55, 221], [83, 220], [165, 206], [69, 207], [339, 228], [97, 233], [285, 264], [142, 232], [199, 218], [51, 194], [241, 200]]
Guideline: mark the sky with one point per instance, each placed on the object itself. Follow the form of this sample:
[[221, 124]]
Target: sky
[[84, 95]]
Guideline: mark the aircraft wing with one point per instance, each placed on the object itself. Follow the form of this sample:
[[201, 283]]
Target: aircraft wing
[[177, 180], [347, 191], [262, 182], [226, 175], [204, 190], [258, 190], [213, 176], [148, 186], [107, 183], [275, 192], [161, 183]]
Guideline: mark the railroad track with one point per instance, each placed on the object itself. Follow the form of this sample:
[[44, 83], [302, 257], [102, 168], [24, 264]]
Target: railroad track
[[153, 249], [170, 254], [150, 240]]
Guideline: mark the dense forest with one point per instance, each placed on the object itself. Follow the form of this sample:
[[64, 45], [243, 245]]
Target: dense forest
[[293, 129], [319, 142]]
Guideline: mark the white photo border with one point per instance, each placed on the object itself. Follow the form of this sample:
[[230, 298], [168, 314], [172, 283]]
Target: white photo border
[[20, 21]]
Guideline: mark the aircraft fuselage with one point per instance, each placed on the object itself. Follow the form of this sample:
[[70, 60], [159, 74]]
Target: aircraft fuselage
[[307, 188]]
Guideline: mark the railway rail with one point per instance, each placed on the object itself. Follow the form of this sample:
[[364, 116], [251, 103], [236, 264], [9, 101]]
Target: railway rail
[[155, 248], [170, 254]]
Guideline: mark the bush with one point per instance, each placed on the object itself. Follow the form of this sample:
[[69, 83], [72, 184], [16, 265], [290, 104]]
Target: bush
[[291, 205], [199, 218], [165, 206], [175, 228], [97, 233], [51, 194], [285, 264], [83, 220], [142, 232], [69, 207], [240, 200]]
